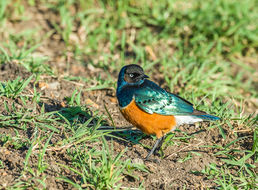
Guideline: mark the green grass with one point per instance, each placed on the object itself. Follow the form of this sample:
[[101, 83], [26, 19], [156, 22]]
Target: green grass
[[76, 126], [206, 51], [99, 170]]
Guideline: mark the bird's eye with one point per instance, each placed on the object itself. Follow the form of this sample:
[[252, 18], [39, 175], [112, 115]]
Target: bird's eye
[[131, 75]]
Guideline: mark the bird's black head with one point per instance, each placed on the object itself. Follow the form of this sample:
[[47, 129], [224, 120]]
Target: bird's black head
[[134, 74], [130, 76]]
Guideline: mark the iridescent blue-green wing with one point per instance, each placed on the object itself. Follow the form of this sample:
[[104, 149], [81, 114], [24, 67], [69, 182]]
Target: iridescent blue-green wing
[[153, 99]]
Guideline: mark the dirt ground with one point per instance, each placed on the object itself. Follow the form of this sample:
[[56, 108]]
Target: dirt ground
[[165, 173]]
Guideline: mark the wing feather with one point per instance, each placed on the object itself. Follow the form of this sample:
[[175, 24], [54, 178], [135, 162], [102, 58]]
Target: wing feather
[[153, 99]]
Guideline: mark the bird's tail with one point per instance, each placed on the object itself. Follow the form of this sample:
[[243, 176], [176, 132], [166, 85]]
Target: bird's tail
[[208, 117]]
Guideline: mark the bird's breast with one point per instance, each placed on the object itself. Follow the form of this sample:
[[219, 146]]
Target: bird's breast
[[148, 123]]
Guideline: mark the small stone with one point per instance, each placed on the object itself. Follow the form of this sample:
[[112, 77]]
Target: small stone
[[91, 103], [137, 161], [54, 85], [63, 104], [42, 85], [113, 100]]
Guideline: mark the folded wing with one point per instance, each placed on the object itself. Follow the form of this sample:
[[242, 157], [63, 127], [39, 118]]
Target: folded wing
[[153, 99]]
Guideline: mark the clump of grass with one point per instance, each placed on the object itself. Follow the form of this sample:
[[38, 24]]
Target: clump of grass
[[99, 169], [11, 89]]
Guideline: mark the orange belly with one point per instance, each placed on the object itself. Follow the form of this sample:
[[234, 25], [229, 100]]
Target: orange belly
[[154, 124]]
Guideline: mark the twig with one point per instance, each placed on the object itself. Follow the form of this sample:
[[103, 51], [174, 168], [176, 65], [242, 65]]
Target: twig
[[183, 149]]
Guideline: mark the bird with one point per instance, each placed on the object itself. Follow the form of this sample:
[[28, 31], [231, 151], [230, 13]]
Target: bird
[[152, 109]]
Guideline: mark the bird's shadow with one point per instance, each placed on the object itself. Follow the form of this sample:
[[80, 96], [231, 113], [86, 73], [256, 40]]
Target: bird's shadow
[[78, 115]]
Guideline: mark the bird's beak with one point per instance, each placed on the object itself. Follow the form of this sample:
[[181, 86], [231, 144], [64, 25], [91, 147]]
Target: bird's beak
[[146, 76]]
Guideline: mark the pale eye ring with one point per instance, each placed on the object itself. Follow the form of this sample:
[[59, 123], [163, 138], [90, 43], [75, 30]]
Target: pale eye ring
[[131, 75]]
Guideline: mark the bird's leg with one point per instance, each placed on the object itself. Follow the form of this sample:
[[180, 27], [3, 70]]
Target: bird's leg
[[156, 146]]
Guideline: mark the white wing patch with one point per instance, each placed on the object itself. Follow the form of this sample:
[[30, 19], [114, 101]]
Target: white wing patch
[[186, 119]]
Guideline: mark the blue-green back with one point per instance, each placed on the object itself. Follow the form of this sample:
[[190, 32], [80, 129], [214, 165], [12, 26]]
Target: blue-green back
[[153, 99]]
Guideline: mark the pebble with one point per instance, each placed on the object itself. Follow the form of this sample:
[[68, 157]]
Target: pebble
[[137, 161]]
